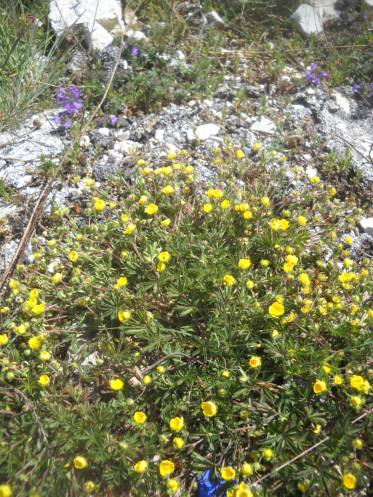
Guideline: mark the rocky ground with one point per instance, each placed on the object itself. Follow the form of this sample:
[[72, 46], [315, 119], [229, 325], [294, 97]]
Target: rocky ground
[[305, 121]]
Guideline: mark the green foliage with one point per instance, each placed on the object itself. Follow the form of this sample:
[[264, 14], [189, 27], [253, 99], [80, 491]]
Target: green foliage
[[239, 292], [28, 66]]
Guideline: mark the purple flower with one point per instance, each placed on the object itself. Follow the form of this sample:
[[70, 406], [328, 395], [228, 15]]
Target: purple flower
[[314, 75], [113, 119], [355, 87], [70, 99], [371, 89], [99, 123], [135, 52]]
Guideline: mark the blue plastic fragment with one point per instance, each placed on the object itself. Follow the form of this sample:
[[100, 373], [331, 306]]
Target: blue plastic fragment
[[207, 487]]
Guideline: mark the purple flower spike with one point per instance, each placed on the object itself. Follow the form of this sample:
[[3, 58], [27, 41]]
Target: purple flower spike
[[70, 99], [356, 87]]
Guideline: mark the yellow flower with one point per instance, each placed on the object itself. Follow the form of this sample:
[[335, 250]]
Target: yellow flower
[[89, 486], [142, 201], [209, 408], [164, 256], [3, 340], [6, 490], [166, 222], [332, 191], [249, 284], [121, 282], [225, 204], [256, 146], [247, 215], [349, 481], [292, 259], [161, 266], [326, 368], [34, 343], [244, 263], [304, 279], [338, 379], [116, 384], [207, 208], [141, 466], [356, 401], [171, 155], [357, 443], [57, 278], [173, 485], [317, 429], [225, 373], [228, 473], [301, 220], [73, 256], [151, 209], [140, 163], [166, 468], [99, 204], [44, 380], [37, 309], [240, 154], [229, 280], [215, 193], [276, 310], [314, 180], [168, 190], [348, 239], [288, 267], [247, 469], [45, 355], [124, 316], [358, 383], [278, 224], [178, 443], [267, 454], [255, 362], [243, 491], [80, 462], [177, 423], [319, 387], [147, 379], [129, 229], [139, 417]]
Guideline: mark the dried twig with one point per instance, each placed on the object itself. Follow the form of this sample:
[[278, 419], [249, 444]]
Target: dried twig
[[305, 452]]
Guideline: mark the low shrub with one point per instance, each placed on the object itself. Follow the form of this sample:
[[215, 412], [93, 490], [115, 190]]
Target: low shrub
[[178, 325]]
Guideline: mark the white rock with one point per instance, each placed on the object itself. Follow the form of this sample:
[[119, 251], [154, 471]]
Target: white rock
[[310, 170], [159, 135], [342, 102], [369, 3], [367, 222], [214, 18], [263, 125], [326, 8], [206, 131], [127, 146], [101, 18], [136, 35], [308, 20]]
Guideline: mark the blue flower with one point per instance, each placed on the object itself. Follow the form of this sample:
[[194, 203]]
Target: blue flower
[[208, 487]]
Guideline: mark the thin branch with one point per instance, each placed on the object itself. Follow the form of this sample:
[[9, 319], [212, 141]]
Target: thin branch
[[40, 204], [305, 452]]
